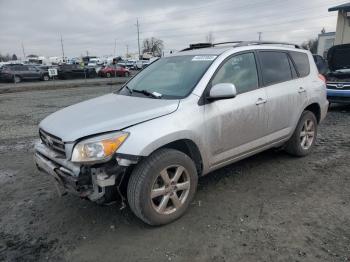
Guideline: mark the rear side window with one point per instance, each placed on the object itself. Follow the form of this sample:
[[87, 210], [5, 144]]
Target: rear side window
[[275, 67], [301, 61]]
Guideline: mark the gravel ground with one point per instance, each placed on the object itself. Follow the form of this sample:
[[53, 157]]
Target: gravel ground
[[270, 207]]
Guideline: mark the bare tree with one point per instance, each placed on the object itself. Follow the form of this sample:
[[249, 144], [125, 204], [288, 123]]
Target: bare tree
[[312, 44], [210, 37], [153, 45], [14, 57], [5, 58]]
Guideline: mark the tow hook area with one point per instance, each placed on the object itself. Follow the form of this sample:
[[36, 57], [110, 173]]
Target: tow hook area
[[99, 183]]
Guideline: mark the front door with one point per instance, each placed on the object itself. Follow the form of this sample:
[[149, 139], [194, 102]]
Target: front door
[[234, 126]]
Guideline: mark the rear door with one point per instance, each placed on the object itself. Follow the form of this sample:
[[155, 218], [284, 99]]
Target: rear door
[[24, 72], [283, 97], [235, 126]]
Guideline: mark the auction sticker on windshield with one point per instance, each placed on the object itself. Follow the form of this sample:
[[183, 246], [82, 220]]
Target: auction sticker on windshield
[[204, 58]]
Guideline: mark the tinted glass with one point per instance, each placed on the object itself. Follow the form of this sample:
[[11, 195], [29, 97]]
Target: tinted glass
[[239, 70], [173, 77], [301, 61], [274, 67]]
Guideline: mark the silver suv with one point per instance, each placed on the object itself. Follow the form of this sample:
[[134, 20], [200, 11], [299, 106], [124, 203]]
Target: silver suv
[[181, 118]]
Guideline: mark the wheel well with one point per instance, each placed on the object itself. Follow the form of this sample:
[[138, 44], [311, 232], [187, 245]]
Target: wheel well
[[189, 148], [315, 108]]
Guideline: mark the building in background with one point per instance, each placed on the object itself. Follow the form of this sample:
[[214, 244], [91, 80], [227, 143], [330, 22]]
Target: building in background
[[342, 35], [325, 41]]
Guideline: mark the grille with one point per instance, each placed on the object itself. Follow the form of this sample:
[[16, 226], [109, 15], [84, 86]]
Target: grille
[[339, 86], [52, 142]]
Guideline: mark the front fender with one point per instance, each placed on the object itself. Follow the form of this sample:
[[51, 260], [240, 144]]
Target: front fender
[[185, 123]]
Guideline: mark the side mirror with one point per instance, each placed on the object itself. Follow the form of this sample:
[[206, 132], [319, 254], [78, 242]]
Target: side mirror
[[222, 91]]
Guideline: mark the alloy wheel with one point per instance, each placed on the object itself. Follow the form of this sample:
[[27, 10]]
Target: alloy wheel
[[307, 134], [170, 189]]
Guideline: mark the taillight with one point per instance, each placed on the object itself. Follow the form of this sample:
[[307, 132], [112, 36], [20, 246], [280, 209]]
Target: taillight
[[322, 78]]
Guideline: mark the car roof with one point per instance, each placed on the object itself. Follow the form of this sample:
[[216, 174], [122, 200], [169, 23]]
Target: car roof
[[218, 49]]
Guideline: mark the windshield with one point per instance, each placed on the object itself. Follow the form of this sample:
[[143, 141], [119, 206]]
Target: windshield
[[171, 77]]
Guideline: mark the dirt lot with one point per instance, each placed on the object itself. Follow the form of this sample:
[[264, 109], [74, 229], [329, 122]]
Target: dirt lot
[[270, 207]]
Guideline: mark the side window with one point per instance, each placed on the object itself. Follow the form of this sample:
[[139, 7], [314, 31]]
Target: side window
[[301, 61], [275, 67], [239, 70]]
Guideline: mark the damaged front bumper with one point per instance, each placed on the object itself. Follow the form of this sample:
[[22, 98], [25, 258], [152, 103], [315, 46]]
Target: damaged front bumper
[[90, 182]]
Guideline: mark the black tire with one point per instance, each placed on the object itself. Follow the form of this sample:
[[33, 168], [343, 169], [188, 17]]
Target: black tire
[[108, 75], [127, 74], [142, 181], [293, 146], [45, 78]]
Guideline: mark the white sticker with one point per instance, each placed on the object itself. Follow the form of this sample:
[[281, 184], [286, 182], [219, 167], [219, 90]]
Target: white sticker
[[204, 58]]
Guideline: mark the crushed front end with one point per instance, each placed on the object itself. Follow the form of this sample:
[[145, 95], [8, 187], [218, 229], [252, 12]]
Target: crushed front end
[[99, 182]]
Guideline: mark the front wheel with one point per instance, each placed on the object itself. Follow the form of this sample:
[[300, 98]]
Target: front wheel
[[162, 186], [304, 136]]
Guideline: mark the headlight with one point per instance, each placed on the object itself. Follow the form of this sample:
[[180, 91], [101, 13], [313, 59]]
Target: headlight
[[98, 148]]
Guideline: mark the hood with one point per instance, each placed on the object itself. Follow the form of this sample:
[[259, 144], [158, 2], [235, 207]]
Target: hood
[[103, 114], [338, 57]]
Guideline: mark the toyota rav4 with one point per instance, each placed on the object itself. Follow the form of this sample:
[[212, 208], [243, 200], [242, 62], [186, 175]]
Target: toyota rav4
[[183, 117]]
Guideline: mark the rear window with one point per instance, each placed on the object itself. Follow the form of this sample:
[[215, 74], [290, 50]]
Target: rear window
[[275, 67], [301, 61]]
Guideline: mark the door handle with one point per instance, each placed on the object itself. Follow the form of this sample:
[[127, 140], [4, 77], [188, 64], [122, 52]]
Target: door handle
[[260, 101], [301, 90]]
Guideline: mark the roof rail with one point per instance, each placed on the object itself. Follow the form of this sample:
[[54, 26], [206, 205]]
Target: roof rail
[[246, 43], [238, 44]]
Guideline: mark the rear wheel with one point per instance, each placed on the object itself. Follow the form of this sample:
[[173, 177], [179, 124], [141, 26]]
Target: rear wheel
[[126, 74], [108, 75], [304, 137], [162, 186], [46, 78]]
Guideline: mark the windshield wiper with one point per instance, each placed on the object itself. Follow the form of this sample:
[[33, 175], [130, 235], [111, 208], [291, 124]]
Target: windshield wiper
[[148, 93], [129, 89]]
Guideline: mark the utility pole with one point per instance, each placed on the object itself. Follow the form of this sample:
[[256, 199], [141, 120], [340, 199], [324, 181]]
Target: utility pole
[[62, 49], [24, 54], [115, 48], [127, 51], [259, 33], [138, 36]]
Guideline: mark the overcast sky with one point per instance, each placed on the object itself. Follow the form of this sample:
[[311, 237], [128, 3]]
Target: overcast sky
[[93, 26]]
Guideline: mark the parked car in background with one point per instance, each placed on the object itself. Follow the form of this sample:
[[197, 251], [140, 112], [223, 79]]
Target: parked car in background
[[19, 72], [321, 64], [66, 71], [183, 117], [338, 79], [114, 70]]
